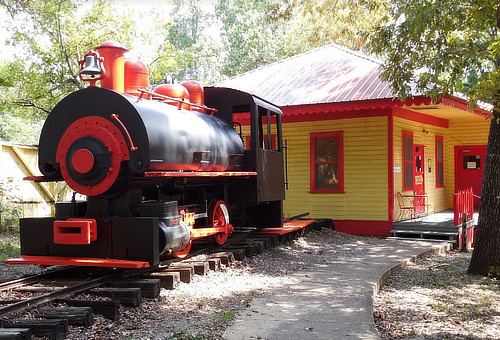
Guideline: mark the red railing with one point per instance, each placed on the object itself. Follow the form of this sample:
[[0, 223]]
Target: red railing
[[463, 203]]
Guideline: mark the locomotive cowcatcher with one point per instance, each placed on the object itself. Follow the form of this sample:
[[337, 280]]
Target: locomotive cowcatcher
[[160, 169]]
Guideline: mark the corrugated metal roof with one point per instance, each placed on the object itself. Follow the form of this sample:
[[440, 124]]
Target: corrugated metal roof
[[330, 74]]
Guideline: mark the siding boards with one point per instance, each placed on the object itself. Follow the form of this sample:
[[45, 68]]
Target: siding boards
[[469, 131], [461, 133], [365, 165], [365, 170], [436, 196]]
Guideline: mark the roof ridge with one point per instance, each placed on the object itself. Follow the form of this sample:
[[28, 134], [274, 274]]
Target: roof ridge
[[295, 56], [358, 54]]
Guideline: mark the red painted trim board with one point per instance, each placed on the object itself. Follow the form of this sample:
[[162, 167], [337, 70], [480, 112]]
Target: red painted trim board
[[420, 117], [390, 166], [367, 228]]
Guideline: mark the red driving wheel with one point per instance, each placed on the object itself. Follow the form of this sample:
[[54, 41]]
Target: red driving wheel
[[183, 252], [219, 218]]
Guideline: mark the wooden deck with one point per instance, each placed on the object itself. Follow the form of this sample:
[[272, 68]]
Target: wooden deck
[[436, 226]]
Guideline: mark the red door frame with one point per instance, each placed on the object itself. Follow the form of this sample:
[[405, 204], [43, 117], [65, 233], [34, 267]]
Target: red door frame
[[473, 176], [419, 183]]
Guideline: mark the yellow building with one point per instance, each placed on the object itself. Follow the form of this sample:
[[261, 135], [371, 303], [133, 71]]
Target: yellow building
[[356, 154]]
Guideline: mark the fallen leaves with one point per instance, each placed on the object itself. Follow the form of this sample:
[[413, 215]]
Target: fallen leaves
[[435, 299]]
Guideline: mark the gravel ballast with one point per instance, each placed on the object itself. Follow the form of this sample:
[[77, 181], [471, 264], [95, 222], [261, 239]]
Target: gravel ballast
[[203, 308], [432, 299]]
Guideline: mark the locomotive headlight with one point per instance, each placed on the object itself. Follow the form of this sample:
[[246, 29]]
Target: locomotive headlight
[[83, 160], [88, 161]]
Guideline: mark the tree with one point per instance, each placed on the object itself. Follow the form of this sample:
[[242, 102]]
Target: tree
[[436, 47], [188, 50], [47, 35], [257, 32], [247, 37], [315, 23]]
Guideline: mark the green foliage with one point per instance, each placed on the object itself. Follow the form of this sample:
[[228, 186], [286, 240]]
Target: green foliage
[[249, 40], [440, 46], [189, 50], [315, 23], [10, 211], [261, 31], [188, 19], [199, 44], [436, 47], [47, 35], [19, 130], [9, 250], [227, 317]]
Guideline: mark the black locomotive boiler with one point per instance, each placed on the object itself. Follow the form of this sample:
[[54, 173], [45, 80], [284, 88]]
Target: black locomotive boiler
[[159, 169]]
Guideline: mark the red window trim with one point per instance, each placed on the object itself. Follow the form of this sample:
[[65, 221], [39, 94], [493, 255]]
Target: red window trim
[[340, 136], [405, 161], [439, 138]]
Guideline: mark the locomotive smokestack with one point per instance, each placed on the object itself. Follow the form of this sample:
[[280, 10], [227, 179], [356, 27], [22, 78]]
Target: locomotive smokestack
[[114, 64]]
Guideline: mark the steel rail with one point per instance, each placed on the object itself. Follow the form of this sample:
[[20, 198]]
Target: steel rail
[[93, 283], [32, 279], [63, 292]]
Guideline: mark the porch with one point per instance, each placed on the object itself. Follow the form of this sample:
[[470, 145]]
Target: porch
[[437, 226]]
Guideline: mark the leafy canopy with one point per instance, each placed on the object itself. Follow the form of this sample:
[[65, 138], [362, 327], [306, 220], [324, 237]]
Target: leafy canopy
[[258, 32], [188, 49], [453, 45], [47, 35], [435, 47]]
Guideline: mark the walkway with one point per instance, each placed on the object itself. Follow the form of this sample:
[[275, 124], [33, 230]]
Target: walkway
[[334, 303]]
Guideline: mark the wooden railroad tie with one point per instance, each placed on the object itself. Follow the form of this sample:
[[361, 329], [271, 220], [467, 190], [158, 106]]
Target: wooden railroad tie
[[200, 267], [150, 288], [54, 329], [236, 249], [131, 297], [259, 245], [271, 240], [240, 252], [15, 334], [186, 272], [109, 309], [226, 257], [168, 280], [79, 316], [214, 263]]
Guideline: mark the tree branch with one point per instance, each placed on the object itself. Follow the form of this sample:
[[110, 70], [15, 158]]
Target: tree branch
[[29, 103]]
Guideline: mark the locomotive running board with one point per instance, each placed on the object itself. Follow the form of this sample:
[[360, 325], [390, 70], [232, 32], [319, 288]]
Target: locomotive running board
[[171, 174], [76, 261], [288, 227], [199, 173]]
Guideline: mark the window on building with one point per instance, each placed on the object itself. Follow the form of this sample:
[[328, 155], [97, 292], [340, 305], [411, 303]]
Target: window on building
[[408, 160], [327, 162], [439, 162]]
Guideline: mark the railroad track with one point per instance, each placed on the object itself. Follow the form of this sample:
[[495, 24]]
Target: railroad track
[[129, 286]]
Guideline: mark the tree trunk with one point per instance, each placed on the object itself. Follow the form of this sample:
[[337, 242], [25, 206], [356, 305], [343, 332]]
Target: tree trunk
[[486, 254]]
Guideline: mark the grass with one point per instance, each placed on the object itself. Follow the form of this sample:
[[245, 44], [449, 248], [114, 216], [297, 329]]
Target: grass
[[8, 250], [221, 320], [226, 317]]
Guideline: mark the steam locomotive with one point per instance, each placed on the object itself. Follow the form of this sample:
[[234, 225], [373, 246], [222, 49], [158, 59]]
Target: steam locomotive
[[159, 169]]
